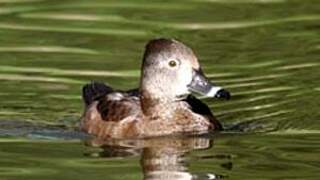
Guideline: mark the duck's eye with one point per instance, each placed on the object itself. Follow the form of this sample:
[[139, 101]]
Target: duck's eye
[[172, 63]]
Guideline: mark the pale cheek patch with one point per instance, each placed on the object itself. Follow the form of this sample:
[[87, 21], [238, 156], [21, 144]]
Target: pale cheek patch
[[213, 91], [185, 74], [184, 78]]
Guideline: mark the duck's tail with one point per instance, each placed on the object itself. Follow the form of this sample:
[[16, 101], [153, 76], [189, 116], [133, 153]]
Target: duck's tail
[[94, 91]]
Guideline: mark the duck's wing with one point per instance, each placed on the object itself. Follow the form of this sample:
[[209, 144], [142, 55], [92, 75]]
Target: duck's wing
[[112, 105], [94, 91], [117, 106], [201, 108]]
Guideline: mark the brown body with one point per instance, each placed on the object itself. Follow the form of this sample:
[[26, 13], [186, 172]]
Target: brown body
[[161, 106], [119, 115]]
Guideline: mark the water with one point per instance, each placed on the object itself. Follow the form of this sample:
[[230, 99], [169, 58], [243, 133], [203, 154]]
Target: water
[[266, 52], [230, 156]]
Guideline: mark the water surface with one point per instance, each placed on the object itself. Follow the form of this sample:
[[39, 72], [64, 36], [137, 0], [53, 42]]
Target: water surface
[[266, 52]]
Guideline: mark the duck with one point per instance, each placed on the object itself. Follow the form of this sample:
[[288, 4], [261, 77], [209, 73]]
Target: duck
[[164, 104]]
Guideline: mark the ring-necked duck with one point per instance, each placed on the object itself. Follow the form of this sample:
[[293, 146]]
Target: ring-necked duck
[[162, 105]]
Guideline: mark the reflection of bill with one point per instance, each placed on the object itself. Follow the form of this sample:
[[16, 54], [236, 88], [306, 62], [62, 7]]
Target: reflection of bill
[[161, 158]]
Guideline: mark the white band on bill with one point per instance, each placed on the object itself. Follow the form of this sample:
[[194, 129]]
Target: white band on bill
[[213, 91]]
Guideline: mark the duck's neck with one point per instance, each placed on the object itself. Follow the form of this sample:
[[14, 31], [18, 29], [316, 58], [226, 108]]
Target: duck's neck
[[153, 105]]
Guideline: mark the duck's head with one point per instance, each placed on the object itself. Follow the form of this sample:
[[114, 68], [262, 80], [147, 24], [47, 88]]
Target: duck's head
[[171, 71]]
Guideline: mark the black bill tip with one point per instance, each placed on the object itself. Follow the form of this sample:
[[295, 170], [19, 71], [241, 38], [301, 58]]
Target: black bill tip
[[222, 93]]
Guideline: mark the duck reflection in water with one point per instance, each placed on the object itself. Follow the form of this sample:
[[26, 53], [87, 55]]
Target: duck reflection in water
[[161, 158]]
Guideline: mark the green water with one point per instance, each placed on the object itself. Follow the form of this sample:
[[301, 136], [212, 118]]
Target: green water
[[266, 52]]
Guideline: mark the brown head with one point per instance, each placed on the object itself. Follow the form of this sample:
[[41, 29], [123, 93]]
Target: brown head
[[171, 71]]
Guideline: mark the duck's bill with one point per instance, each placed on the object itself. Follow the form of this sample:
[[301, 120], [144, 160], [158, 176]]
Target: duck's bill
[[201, 85]]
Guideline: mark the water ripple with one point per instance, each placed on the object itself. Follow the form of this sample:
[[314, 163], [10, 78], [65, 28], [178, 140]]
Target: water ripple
[[64, 96], [246, 84], [251, 65], [15, 77], [295, 131], [7, 112], [267, 115], [19, 1], [267, 90], [297, 66], [244, 101], [18, 9], [131, 5], [241, 1], [253, 108], [26, 171], [107, 31], [49, 49], [170, 25], [218, 75], [254, 78], [14, 171], [245, 24], [75, 72], [78, 17]]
